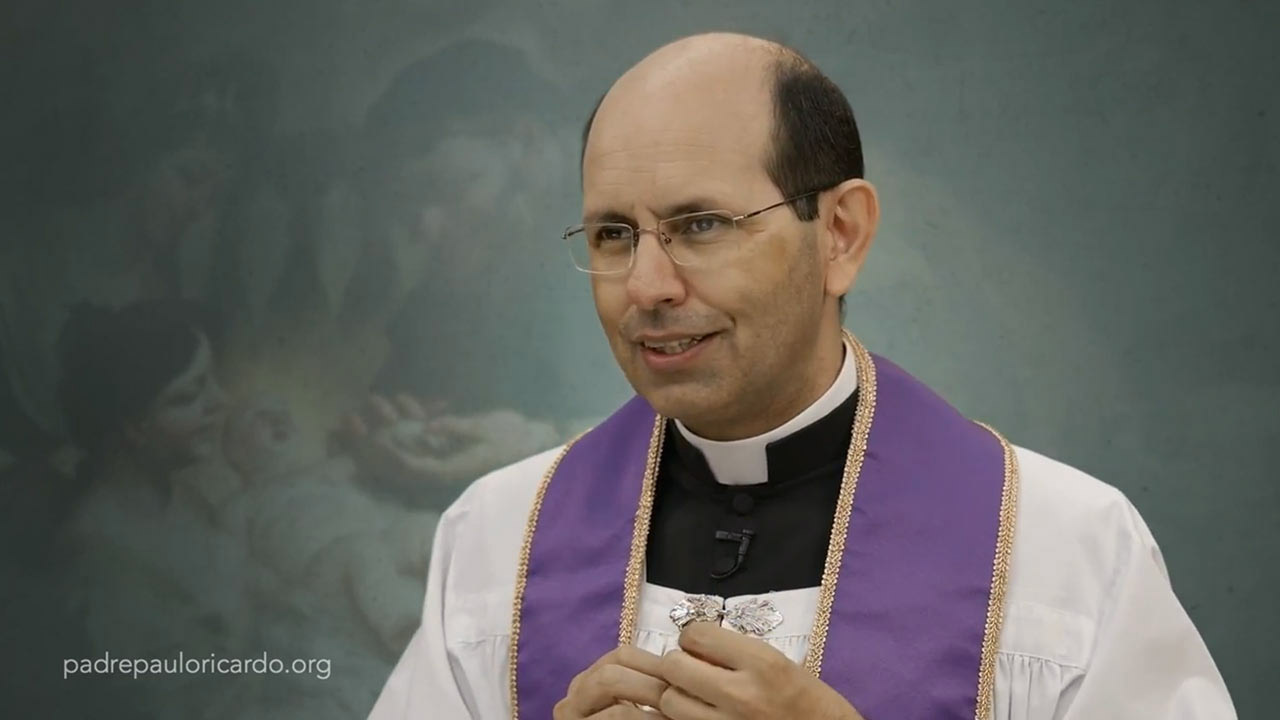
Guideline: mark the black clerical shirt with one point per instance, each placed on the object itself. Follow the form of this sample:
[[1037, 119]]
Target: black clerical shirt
[[787, 519]]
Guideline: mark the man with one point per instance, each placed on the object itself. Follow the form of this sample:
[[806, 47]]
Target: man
[[780, 525]]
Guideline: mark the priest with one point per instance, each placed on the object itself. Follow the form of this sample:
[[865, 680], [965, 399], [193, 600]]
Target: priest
[[780, 524]]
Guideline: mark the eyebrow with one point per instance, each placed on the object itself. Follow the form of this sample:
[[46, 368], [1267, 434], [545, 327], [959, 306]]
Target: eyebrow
[[684, 207]]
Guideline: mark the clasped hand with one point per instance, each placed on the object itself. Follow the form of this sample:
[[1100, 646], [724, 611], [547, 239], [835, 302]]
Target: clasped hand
[[717, 674]]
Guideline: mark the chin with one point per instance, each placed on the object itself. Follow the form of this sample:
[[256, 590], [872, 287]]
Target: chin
[[683, 401], [676, 395]]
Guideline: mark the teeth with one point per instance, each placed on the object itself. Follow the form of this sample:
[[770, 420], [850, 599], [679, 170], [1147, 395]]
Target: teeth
[[676, 346]]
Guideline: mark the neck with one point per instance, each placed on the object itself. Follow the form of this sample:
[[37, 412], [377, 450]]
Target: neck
[[745, 461]]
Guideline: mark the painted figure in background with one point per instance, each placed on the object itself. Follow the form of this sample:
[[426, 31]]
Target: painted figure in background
[[203, 526], [154, 575], [305, 253]]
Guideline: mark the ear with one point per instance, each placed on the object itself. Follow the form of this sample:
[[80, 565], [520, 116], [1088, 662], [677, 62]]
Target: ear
[[851, 226]]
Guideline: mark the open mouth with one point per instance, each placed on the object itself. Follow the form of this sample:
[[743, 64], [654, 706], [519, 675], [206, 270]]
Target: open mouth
[[675, 347], [669, 354]]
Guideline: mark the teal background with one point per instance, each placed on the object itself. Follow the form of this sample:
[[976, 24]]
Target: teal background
[[1078, 242]]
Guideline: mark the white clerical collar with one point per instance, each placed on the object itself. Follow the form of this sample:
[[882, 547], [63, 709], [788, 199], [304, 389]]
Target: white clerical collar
[[746, 462]]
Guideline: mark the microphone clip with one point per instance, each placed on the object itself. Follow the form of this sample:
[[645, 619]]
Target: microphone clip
[[744, 542]]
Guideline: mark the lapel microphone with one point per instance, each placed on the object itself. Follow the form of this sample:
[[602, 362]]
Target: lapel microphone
[[744, 541]]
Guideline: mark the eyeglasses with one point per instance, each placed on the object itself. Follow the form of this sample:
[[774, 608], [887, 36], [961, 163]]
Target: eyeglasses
[[695, 239]]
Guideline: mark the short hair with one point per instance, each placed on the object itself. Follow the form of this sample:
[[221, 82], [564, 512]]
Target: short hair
[[814, 144], [115, 362]]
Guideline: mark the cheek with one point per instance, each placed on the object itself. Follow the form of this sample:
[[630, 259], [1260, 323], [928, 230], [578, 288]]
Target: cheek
[[767, 293], [745, 290], [611, 302]]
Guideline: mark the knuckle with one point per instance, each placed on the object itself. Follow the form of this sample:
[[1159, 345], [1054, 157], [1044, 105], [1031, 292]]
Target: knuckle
[[695, 636], [670, 662], [620, 655], [615, 712], [669, 703], [579, 684], [746, 697], [774, 665], [755, 698], [609, 676], [625, 654]]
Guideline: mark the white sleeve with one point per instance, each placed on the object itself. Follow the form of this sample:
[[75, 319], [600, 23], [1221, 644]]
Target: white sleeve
[[422, 684], [1148, 661]]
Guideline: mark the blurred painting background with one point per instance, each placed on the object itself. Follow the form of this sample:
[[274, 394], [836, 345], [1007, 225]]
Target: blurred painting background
[[225, 225]]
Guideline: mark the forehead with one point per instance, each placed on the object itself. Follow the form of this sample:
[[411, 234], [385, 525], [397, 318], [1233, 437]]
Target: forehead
[[656, 140]]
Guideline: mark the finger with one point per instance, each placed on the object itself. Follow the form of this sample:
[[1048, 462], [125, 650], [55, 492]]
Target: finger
[[697, 678], [627, 656], [627, 712], [410, 407], [609, 684], [463, 428], [680, 705], [721, 646], [381, 412], [639, 660], [632, 657]]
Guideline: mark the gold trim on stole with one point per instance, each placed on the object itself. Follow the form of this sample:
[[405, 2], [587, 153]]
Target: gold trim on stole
[[522, 576], [999, 579], [863, 417]]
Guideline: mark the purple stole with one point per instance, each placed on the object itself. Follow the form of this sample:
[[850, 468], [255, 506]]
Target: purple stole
[[909, 621]]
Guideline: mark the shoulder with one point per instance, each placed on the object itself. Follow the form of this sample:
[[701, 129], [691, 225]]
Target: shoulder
[[482, 531], [1070, 500], [1068, 517], [1073, 538], [503, 492]]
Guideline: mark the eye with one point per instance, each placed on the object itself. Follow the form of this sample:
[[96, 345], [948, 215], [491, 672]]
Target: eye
[[706, 223], [609, 234], [701, 225]]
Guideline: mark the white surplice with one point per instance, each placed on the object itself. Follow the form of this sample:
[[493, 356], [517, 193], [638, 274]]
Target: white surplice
[[1092, 629]]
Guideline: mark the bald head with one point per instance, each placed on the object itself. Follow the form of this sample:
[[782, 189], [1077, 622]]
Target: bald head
[[735, 62], [797, 123]]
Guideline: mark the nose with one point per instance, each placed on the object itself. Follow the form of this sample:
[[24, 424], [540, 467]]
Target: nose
[[654, 278]]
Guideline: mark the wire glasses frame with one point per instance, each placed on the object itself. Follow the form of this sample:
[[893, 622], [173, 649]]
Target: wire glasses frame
[[667, 241]]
